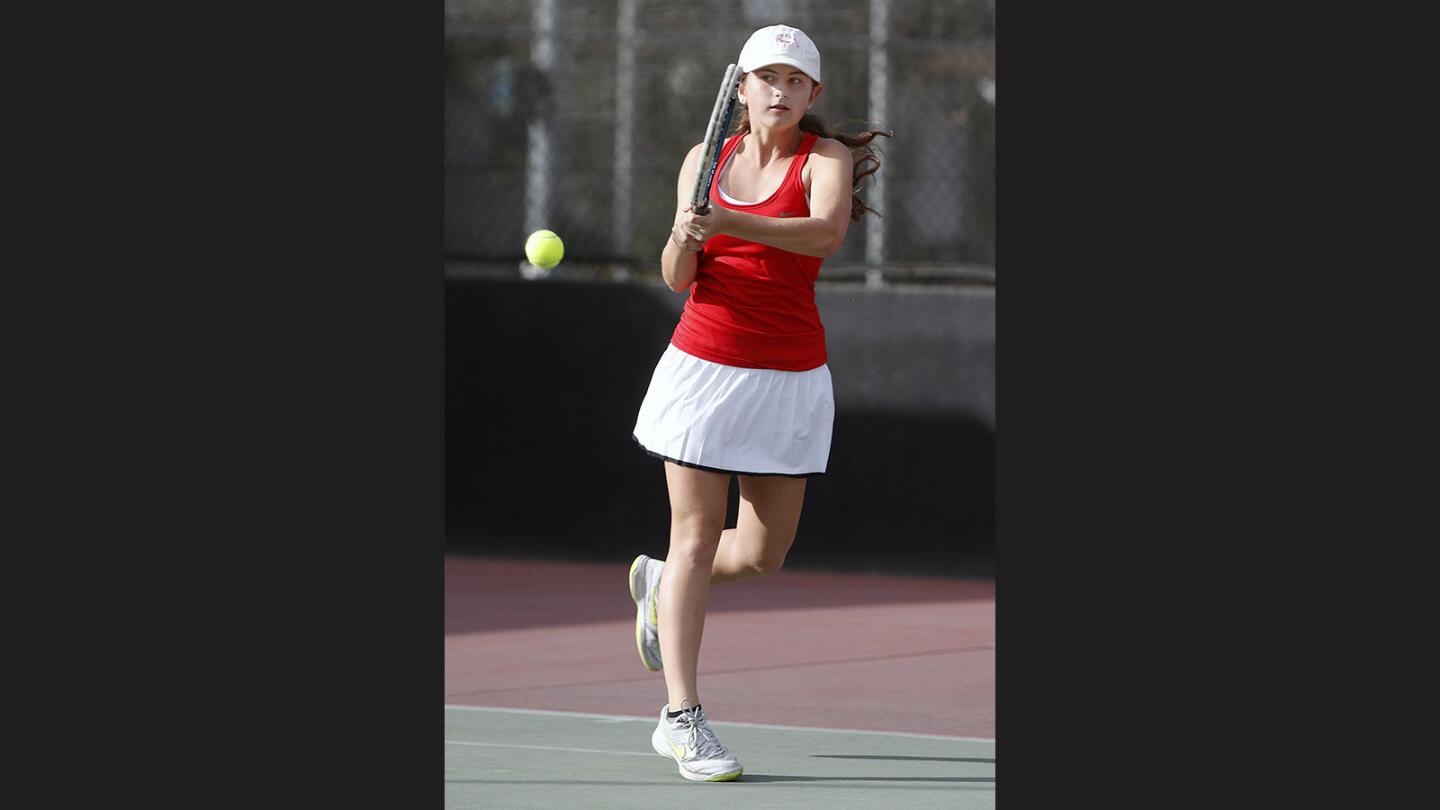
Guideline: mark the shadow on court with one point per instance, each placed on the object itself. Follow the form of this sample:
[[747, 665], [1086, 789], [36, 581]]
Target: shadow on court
[[517, 758], [757, 777], [907, 758]]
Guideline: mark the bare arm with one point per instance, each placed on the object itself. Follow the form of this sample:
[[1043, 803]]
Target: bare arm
[[678, 261], [820, 234]]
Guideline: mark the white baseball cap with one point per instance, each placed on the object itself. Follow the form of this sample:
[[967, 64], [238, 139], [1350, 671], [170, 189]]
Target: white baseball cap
[[781, 45]]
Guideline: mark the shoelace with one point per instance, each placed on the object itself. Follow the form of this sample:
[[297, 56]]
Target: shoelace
[[699, 737]]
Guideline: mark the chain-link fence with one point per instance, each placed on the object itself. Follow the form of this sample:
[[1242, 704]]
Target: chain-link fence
[[575, 115]]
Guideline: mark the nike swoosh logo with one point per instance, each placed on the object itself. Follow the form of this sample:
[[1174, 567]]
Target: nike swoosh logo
[[678, 749], [788, 213]]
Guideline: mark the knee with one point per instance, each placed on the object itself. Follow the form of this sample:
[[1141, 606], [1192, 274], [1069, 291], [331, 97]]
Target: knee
[[693, 545], [763, 564]]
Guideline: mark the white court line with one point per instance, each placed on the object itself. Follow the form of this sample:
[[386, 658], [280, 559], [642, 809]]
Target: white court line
[[551, 748], [619, 718]]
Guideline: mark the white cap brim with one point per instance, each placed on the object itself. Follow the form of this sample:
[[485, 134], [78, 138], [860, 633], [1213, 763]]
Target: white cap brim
[[783, 60]]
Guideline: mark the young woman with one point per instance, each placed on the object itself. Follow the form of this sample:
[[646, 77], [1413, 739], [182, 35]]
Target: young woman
[[743, 388]]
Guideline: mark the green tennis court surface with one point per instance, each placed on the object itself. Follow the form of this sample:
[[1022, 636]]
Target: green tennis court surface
[[530, 758]]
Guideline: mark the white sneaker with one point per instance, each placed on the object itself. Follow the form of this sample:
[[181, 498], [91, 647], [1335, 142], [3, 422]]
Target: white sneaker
[[689, 741], [645, 591]]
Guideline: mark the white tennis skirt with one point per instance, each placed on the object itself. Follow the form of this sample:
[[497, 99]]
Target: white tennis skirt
[[747, 421]]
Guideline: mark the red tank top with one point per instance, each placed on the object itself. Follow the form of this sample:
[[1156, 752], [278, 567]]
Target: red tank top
[[752, 305]]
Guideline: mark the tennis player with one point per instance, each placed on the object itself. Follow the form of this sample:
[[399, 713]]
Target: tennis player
[[743, 388]]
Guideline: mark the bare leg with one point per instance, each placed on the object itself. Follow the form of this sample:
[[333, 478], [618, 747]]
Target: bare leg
[[697, 516], [769, 516]]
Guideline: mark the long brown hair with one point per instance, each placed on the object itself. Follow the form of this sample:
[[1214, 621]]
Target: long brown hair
[[861, 149]]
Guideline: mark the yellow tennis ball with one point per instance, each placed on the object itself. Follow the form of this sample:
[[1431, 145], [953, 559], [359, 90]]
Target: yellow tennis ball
[[544, 249]]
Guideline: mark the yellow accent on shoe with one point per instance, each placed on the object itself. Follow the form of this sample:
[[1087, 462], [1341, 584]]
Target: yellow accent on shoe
[[631, 583], [726, 777], [679, 750], [639, 619]]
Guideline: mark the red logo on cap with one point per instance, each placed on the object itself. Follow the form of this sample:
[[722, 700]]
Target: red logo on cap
[[784, 38]]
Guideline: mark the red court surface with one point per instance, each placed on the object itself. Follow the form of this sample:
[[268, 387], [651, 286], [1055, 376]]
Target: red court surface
[[880, 653]]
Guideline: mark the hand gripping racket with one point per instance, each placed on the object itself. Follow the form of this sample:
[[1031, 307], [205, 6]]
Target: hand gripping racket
[[714, 137]]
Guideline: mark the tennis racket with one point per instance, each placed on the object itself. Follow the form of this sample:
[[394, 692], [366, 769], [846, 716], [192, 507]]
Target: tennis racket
[[714, 137]]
